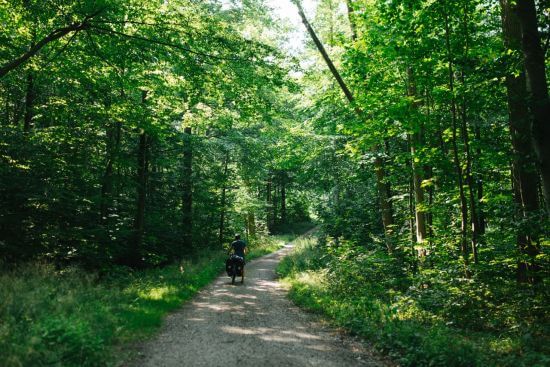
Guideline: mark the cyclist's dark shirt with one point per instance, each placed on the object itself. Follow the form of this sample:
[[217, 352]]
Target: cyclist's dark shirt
[[238, 247]]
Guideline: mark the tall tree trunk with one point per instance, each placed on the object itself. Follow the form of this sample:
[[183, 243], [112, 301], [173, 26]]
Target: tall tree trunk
[[275, 203], [324, 54], [458, 167], [7, 118], [412, 227], [141, 178], [429, 216], [283, 196], [417, 140], [113, 148], [536, 77], [269, 204], [479, 183], [223, 199], [524, 175], [351, 15], [141, 186], [187, 188], [381, 184], [385, 204], [29, 102], [428, 172], [474, 223], [30, 93], [469, 182], [251, 224]]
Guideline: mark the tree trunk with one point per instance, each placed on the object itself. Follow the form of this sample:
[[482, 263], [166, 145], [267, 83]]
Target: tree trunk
[[385, 205], [524, 176], [7, 118], [479, 183], [223, 199], [275, 203], [324, 54], [429, 217], [428, 172], [458, 167], [251, 224], [469, 182], [412, 227], [269, 205], [113, 148], [29, 103], [141, 179], [283, 197], [382, 186], [536, 77], [353, 28], [417, 140], [474, 223], [187, 186]]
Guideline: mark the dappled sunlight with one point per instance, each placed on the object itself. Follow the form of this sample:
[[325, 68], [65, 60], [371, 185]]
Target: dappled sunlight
[[196, 319], [254, 319], [157, 293], [219, 306], [274, 335], [242, 331]]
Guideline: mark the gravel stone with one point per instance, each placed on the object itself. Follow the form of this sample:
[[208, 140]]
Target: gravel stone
[[251, 324]]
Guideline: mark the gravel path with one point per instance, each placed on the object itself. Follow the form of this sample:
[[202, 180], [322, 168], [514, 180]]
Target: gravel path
[[250, 325]]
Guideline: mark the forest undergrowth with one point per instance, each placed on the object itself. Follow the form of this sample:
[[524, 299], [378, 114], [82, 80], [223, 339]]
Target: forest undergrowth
[[135, 134], [432, 318], [72, 317]]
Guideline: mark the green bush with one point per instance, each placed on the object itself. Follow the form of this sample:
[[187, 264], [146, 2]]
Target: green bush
[[427, 319], [69, 317]]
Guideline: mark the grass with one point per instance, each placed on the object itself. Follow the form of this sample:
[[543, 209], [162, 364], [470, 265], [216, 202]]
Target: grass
[[267, 244], [412, 326], [73, 318], [70, 318]]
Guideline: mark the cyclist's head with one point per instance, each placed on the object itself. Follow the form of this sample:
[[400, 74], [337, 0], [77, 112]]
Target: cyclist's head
[[237, 236]]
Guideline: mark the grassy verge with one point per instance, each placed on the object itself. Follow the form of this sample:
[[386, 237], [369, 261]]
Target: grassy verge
[[267, 245], [436, 326], [73, 318]]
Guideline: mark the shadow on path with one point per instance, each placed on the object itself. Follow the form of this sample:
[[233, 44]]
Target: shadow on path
[[253, 324]]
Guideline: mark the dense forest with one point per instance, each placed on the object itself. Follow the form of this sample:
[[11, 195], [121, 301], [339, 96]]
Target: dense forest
[[138, 134]]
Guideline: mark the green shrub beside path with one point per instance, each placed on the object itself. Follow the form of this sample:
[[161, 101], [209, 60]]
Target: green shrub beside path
[[72, 318], [422, 321]]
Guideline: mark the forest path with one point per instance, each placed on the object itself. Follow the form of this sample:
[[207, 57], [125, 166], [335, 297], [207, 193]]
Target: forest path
[[253, 324]]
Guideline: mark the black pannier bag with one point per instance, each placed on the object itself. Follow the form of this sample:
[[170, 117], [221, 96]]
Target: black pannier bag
[[239, 265]]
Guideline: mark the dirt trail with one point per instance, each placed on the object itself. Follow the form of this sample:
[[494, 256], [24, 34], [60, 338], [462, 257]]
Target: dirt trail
[[250, 325]]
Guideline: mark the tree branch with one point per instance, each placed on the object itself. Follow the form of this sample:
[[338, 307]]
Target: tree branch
[[325, 55], [163, 43], [54, 35]]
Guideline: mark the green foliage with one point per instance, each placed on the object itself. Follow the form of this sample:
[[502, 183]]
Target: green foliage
[[75, 318], [432, 319], [74, 113], [72, 318], [158, 129]]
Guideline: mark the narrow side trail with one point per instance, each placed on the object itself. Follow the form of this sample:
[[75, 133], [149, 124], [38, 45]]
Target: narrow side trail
[[253, 324]]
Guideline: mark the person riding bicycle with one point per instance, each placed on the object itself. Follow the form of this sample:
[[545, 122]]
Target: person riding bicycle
[[235, 264], [238, 246]]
